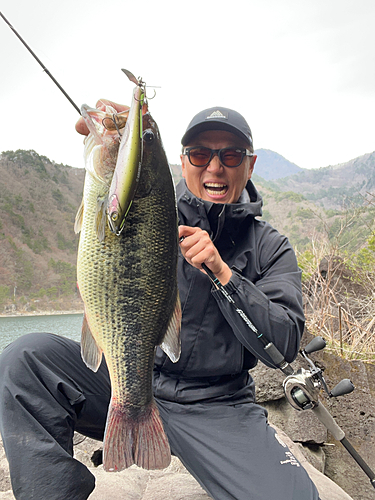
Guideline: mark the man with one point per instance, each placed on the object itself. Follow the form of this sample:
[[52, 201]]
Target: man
[[206, 399]]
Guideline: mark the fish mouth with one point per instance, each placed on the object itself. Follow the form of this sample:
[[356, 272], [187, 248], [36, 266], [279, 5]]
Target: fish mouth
[[216, 188]]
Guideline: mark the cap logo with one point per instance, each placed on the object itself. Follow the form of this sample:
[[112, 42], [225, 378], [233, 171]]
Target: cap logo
[[217, 114]]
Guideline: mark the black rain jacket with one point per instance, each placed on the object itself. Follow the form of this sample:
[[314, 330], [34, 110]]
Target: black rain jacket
[[217, 347]]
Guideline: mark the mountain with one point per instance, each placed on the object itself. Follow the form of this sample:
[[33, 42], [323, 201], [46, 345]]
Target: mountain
[[333, 187], [38, 203], [39, 199], [271, 165], [334, 204]]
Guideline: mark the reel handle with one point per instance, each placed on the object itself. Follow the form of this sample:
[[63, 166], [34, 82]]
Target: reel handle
[[344, 387], [317, 344]]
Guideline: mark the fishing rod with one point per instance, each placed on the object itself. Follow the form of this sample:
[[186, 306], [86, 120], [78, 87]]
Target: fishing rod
[[42, 65], [277, 358], [302, 388]]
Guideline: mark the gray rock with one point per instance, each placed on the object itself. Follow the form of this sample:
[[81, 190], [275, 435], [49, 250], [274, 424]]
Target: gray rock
[[314, 454], [7, 495], [268, 383], [4, 471], [173, 483], [300, 426]]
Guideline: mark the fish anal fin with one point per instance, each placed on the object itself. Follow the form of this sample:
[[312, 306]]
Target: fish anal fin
[[90, 352], [100, 218], [171, 343], [79, 219], [132, 440]]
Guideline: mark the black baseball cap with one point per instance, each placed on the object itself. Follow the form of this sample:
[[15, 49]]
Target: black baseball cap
[[218, 118]]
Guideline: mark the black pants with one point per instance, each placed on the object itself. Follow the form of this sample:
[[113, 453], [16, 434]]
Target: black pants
[[46, 392]]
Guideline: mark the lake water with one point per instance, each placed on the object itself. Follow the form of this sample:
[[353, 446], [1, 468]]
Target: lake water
[[66, 325]]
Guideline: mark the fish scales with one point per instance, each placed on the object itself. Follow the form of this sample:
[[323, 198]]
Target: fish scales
[[128, 283]]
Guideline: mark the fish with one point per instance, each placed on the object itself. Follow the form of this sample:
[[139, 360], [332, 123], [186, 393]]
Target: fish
[[128, 283]]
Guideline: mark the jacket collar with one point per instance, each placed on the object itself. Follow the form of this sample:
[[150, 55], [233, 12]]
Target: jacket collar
[[198, 212]]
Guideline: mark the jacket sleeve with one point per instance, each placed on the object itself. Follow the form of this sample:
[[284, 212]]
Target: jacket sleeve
[[273, 302]]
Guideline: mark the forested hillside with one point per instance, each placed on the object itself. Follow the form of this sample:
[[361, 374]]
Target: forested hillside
[[38, 203], [331, 208]]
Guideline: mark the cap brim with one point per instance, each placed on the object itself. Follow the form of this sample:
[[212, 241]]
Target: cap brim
[[212, 125]]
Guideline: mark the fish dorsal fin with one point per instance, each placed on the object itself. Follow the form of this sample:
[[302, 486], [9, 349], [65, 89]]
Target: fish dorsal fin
[[90, 352], [79, 219], [100, 218], [171, 344]]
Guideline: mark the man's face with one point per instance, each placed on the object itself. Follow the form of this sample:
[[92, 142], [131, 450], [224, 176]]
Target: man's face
[[215, 182]]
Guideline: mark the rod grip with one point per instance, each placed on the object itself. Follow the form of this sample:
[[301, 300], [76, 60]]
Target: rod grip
[[278, 359], [328, 421]]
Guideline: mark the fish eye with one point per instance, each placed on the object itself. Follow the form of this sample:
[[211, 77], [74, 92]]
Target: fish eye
[[148, 136]]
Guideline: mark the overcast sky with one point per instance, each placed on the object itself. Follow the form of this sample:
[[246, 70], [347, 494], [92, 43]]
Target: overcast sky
[[302, 72]]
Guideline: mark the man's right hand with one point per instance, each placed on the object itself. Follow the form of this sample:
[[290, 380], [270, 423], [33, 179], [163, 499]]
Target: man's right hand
[[81, 126]]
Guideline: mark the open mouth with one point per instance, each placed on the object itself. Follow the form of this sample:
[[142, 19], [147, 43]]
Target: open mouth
[[215, 188]]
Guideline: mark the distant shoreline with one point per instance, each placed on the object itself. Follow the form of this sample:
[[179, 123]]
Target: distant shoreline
[[40, 313]]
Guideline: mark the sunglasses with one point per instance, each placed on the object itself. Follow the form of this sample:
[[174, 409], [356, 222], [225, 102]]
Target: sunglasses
[[229, 157]]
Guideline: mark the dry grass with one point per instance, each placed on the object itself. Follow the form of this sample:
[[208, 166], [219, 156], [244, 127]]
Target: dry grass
[[339, 301]]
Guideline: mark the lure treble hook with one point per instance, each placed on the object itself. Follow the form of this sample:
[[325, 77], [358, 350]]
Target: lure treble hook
[[138, 81]]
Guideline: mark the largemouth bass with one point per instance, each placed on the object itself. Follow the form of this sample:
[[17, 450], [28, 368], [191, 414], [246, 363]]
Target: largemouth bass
[[128, 283]]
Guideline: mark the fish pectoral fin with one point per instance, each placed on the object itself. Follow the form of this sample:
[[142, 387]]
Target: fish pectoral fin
[[100, 217], [90, 352], [171, 344], [79, 219]]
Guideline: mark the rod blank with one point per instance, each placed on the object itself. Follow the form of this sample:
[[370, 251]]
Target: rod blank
[[40, 62]]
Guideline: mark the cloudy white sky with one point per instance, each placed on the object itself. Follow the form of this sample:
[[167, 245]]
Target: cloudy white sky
[[302, 72]]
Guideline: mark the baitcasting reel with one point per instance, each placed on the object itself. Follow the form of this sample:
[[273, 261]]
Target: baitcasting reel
[[302, 389]]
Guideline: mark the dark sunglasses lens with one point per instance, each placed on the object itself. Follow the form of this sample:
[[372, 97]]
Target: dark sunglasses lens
[[231, 157], [199, 157]]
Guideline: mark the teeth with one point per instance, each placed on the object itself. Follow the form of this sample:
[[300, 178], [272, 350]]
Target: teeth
[[215, 188], [215, 185]]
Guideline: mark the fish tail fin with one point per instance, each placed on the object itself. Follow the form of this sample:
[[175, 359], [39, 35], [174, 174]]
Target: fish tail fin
[[135, 440], [118, 440], [152, 448]]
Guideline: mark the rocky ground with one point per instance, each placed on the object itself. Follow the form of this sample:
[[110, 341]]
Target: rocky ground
[[173, 483], [324, 459]]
